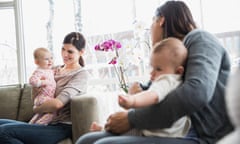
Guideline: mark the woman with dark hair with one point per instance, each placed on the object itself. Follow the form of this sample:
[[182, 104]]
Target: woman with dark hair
[[71, 80], [78, 41], [201, 96]]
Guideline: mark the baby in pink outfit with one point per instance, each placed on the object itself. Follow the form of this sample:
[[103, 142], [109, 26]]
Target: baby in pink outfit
[[43, 83]]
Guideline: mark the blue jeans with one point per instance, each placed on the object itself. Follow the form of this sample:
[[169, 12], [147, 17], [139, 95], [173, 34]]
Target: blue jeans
[[16, 132], [109, 138]]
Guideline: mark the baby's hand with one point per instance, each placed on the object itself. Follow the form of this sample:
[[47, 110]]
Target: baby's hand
[[134, 88], [43, 78], [126, 101], [45, 82]]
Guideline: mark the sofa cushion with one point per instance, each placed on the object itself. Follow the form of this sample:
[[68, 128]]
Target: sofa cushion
[[9, 98], [84, 110], [25, 112]]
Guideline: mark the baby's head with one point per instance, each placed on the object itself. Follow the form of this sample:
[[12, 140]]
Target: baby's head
[[43, 58], [168, 57]]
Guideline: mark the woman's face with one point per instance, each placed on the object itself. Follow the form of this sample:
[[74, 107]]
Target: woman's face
[[70, 54], [157, 29]]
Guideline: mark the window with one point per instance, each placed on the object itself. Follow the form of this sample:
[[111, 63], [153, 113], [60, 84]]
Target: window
[[53, 20], [220, 17], [8, 48], [45, 23]]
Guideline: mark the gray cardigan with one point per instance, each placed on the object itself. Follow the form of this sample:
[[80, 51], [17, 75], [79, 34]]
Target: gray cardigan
[[201, 96]]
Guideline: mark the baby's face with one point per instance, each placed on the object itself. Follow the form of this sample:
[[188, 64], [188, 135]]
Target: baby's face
[[161, 64], [45, 61]]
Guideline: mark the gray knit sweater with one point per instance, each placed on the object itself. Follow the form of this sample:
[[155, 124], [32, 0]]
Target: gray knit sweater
[[201, 96]]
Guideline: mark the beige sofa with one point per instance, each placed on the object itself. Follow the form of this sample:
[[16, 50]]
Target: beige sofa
[[16, 103]]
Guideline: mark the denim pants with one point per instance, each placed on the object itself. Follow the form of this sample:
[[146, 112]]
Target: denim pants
[[16, 132], [109, 138]]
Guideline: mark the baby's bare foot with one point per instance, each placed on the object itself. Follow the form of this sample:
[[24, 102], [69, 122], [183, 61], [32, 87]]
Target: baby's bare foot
[[95, 127]]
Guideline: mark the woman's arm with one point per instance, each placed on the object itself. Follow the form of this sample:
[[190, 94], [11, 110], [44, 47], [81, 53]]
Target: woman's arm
[[76, 84], [48, 106], [202, 71]]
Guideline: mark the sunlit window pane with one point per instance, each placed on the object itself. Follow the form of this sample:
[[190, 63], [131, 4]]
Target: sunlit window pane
[[112, 18], [6, 0], [106, 16], [36, 17], [221, 16], [8, 55]]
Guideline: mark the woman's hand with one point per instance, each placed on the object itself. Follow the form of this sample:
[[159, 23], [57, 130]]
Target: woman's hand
[[118, 122]]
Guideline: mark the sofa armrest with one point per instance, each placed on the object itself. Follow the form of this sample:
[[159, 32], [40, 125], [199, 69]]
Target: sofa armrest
[[83, 112]]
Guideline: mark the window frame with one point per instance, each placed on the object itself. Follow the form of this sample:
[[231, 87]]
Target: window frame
[[21, 65]]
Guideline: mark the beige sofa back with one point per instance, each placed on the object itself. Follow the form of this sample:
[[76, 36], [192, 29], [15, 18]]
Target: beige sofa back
[[25, 109], [15, 102]]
